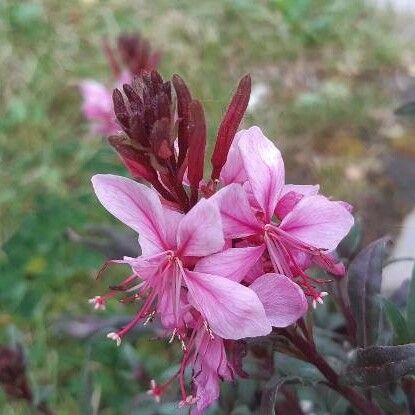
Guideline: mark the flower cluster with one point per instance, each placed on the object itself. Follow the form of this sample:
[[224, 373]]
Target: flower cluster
[[222, 259], [131, 57]]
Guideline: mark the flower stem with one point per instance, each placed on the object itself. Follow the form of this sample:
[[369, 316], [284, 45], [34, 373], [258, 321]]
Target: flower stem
[[365, 406]]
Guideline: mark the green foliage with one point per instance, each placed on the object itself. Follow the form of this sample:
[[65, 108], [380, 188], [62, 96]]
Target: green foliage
[[398, 322], [403, 325]]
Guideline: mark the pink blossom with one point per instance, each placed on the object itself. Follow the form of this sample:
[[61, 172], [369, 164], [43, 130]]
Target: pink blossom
[[210, 366], [171, 243], [131, 56], [97, 107], [308, 226], [186, 278]]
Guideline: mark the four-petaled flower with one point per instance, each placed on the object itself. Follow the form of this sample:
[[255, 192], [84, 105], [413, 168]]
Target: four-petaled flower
[[294, 225]]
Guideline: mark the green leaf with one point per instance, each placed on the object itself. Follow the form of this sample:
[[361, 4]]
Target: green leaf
[[411, 307], [398, 322], [270, 392], [363, 285], [379, 365]]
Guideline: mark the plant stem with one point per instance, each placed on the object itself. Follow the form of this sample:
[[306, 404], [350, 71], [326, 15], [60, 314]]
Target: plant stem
[[365, 406]]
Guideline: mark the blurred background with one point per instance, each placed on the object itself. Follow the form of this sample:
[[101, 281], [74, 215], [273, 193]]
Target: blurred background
[[327, 77]]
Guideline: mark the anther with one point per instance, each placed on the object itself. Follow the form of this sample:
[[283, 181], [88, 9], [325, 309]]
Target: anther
[[115, 337]]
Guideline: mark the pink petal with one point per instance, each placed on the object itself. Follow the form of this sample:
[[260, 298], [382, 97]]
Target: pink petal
[[135, 205], [234, 263], [167, 304], [318, 222], [283, 300], [210, 366], [172, 220], [207, 390], [346, 205], [264, 167], [237, 216], [302, 189], [233, 170], [291, 194], [256, 271], [200, 231], [97, 107], [232, 310]]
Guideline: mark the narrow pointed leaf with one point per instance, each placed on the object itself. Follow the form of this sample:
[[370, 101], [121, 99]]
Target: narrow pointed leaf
[[184, 98], [379, 365], [364, 282], [230, 124], [397, 321]]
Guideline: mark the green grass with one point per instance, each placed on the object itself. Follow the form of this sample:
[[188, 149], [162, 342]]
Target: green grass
[[323, 61]]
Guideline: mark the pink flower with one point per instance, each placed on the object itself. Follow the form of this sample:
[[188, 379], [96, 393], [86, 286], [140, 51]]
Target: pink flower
[[186, 278], [171, 244], [211, 365], [310, 225], [97, 107], [131, 56]]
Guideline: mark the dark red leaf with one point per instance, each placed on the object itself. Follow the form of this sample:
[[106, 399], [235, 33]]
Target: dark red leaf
[[120, 108], [184, 99], [197, 143], [136, 162]]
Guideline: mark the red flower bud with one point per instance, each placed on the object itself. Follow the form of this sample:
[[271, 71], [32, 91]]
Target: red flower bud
[[197, 144], [136, 53], [230, 124]]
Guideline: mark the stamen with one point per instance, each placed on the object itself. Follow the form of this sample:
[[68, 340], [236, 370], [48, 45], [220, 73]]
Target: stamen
[[98, 302], [149, 318], [188, 401], [178, 286], [173, 335], [319, 298], [208, 329], [115, 337], [155, 391]]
